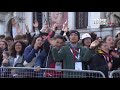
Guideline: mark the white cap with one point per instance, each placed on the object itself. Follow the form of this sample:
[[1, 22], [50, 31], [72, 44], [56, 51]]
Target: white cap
[[86, 35]]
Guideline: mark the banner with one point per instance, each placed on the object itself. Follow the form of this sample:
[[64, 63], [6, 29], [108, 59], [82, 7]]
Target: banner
[[59, 18]]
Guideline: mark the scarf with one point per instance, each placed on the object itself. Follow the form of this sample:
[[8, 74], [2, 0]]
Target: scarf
[[106, 56]]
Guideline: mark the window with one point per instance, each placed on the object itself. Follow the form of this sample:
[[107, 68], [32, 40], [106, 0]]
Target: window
[[38, 16], [81, 20]]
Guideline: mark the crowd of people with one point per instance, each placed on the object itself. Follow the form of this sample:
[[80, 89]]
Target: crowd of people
[[48, 49]]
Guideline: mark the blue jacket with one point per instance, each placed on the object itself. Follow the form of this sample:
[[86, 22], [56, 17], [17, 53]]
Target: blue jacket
[[40, 59], [29, 53], [45, 59]]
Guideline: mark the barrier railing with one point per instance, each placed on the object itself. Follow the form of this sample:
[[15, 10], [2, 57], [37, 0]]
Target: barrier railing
[[114, 74], [23, 72]]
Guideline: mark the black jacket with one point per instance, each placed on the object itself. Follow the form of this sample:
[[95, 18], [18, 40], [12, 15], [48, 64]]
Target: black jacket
[[98, 63]]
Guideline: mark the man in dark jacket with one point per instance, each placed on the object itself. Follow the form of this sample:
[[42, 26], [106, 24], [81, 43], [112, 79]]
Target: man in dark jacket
[[72, 53], [47, 45], [103, 60]]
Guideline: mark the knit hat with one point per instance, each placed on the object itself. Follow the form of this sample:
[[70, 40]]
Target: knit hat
[[76, 32]]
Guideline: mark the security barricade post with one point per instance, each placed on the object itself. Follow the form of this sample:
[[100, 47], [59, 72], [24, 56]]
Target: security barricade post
[[25, 72], [114, 74]]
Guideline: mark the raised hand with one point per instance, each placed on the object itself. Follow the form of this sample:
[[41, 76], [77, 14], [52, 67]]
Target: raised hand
[[37, 69], [35, 46], [66, 22], [45, 28], [65, 27], [94, 44], [27, 28], [5, 61], [36, 24], [19, 30], [54, 27]]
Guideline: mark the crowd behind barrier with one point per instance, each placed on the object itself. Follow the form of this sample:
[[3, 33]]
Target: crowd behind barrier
[[45, 54], [22, 72]]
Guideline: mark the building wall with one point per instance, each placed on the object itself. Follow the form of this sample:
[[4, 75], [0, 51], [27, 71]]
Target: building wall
[[25, 18], [71, 23], [29, 20], [71, 20], [91, 26], [2, 24]]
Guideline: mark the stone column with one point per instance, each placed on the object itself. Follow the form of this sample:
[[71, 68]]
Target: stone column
[[71, 20], [29, 20]]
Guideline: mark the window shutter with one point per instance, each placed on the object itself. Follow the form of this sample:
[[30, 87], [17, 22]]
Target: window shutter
[[81, 20]]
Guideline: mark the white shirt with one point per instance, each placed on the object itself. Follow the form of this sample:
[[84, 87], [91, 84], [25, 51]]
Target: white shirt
[[15, 59], [14, 32]]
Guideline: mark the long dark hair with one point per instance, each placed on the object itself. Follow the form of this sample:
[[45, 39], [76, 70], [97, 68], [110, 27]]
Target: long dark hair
[[13, 51], [83, 42], [34, 40], [100, 44], [9, 27], [93, 36], [6, 48], [104, 39], [60, 37]]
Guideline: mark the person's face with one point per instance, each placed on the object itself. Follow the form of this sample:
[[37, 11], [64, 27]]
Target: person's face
[[10, 42], [4, 56], [87, 41], [46, 28], [2, 45], [39, 41], [59, 43], [74, 38], [18, 47], [109, 41], [105, 47]]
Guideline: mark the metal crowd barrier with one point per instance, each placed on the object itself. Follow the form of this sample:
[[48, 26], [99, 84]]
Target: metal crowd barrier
[[23, 72], [114, 74]]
